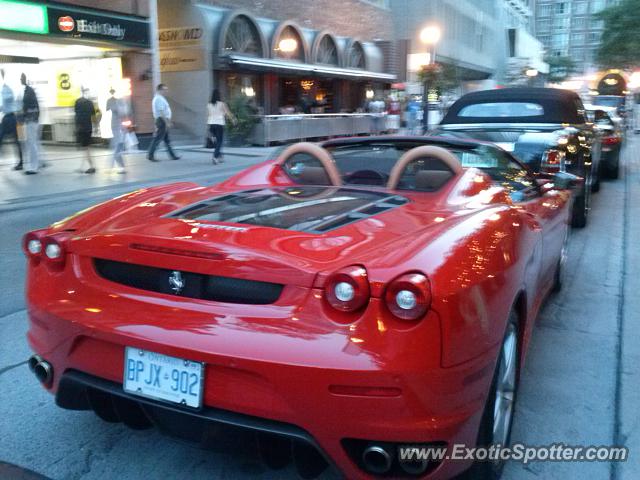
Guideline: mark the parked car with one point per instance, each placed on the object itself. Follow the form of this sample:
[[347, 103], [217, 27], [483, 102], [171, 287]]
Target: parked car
[[340, 302], [546, 128], [612, 128], [618, 102]]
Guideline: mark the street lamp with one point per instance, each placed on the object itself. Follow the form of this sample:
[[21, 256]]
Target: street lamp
[[430, 36]]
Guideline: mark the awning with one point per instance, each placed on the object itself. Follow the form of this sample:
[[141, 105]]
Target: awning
[[270, 64]]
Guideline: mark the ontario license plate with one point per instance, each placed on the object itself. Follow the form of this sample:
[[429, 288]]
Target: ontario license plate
[[161, 377]]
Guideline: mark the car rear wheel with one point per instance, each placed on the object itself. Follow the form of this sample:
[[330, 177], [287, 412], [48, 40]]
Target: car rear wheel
[[580, 210], [612, 170], [497, 418], [560, 269]]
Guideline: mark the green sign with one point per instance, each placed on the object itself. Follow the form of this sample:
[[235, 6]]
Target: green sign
[[23, 17]]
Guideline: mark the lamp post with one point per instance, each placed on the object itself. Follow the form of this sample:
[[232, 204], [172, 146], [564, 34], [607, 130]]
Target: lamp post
[[429, 35]]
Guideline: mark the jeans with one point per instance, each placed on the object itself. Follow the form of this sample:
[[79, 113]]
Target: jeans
[[117, 143], [32, 141], [217, 131], [8, 128], [161, 134]]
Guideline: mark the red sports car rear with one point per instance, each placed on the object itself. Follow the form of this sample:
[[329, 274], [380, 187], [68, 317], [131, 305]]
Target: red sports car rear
[[345, 318]]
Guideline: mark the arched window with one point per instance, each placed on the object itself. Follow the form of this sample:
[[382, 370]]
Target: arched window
[[327, 51], [289, 45], [355, 56], [242, 37]]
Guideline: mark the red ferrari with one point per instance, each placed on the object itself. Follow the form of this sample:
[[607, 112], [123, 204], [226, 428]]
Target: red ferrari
[[340, 301]]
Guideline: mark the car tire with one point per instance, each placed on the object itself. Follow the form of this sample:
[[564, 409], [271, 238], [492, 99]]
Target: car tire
[[493, 430], [613, 169], [559, 275], [595, 183], [580, 211]]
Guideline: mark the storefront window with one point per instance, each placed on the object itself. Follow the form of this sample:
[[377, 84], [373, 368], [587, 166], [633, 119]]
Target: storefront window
[[243, 37], [306, 95], [237, 84], [289, 45]]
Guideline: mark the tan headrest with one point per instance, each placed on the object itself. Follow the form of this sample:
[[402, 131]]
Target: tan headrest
[[448, 160], [319, 153]]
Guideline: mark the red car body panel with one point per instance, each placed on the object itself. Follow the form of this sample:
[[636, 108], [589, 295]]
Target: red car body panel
[[290, 360]]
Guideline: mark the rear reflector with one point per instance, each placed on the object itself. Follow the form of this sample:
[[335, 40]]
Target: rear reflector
[[365, 391]]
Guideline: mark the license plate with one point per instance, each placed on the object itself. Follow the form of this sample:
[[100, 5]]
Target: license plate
[[161, 377]]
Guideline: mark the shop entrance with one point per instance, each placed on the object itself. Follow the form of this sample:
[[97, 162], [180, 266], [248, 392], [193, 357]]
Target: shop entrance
[[58, 73]]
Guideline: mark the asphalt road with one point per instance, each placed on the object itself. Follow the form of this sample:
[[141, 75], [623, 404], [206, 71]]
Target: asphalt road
[[580, 385]]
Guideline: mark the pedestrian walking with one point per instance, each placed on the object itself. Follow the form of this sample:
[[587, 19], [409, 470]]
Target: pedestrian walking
[[85, 113], [162, 115], [31, 117], [118, 110], [217, 112], [377, 109], [9, 123]]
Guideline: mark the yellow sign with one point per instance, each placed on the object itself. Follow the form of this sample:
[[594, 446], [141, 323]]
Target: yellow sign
[[67, 89], [179, 37], [181, 59]]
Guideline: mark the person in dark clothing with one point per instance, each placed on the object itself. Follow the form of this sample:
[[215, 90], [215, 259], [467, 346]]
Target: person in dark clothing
[[85, 112], [31, 117], [9, 125]]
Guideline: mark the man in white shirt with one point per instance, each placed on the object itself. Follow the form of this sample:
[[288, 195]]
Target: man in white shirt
[[162, 115]]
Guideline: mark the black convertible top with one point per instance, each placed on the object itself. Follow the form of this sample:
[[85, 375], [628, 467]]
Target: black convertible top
[[560, 106]]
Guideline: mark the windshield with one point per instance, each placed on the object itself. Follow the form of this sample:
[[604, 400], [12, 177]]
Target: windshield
[[370, 163]]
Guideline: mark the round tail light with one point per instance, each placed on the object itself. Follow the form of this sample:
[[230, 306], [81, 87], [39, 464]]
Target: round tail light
[[32, 244], [408, 297], [347, 290], [54, 252]]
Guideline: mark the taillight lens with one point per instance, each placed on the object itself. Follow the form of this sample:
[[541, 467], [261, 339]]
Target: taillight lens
[[610, 141], [54, 251], [50, 249], [408, 297], [553, 161], [32, 244], [347, 290]]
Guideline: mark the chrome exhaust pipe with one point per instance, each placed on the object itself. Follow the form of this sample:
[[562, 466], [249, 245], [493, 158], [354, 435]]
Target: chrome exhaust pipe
[[43, 372], [33, 361], [377, 459]]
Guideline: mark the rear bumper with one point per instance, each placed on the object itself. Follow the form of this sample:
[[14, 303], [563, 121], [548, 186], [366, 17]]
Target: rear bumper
[[262, 373]]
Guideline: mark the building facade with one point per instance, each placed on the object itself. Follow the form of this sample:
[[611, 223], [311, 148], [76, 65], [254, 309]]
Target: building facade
[[468, 37], [309, 56], [485, 40], [524, 53], [63, 48], [569, 28]]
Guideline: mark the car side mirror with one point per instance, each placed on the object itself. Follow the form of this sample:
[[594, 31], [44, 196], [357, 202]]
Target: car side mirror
[[559, 181]]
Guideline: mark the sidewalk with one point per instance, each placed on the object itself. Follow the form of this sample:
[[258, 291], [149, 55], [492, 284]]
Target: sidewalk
[[63, 180]]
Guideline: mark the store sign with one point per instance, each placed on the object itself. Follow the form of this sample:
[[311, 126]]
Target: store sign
[[77, 23], [179, 37], [181, 59], [67, 87], [23, 17]]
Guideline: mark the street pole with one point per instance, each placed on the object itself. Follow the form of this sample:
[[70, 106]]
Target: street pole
[[425, 102]]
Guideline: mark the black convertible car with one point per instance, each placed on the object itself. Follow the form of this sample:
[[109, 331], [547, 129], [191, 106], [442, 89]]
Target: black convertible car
[[546, 128]]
